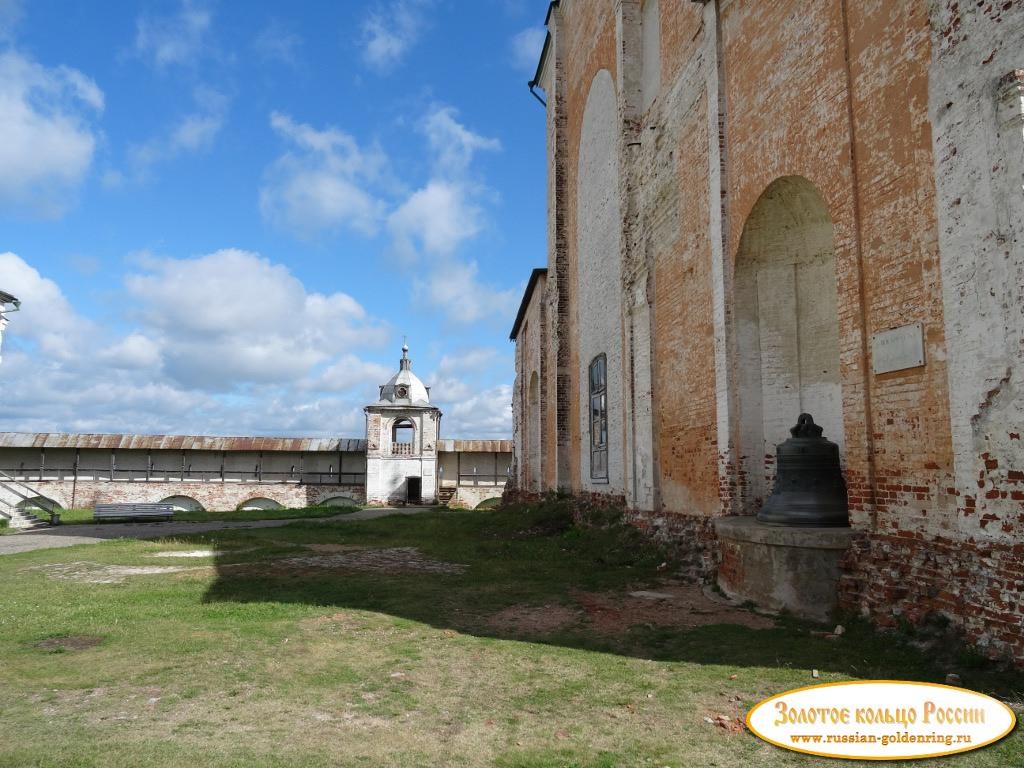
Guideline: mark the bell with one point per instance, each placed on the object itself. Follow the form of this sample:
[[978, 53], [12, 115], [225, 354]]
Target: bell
[[809, 488]]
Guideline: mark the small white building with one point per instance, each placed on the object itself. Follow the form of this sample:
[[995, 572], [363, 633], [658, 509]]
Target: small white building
[[402, 429]]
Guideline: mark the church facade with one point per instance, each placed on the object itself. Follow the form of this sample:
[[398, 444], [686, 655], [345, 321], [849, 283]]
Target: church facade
[[760, 208]]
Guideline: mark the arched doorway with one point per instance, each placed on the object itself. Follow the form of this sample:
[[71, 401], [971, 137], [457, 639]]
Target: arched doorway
[[787, 327]]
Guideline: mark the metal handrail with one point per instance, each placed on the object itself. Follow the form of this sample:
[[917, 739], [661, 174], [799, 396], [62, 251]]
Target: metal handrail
[[8, 483]]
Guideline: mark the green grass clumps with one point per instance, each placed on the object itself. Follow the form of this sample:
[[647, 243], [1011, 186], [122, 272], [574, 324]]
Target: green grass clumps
[[492, 637], [283, 513], [84, 516]]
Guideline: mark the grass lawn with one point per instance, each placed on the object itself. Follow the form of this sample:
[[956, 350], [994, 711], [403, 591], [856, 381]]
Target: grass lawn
[[84, 516], [485, 638]]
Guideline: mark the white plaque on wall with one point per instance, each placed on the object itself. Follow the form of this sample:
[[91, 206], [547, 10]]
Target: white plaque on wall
[[897, 349]]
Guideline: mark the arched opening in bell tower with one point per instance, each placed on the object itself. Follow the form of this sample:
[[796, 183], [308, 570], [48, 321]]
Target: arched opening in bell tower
[[403, 431], [787, 327]]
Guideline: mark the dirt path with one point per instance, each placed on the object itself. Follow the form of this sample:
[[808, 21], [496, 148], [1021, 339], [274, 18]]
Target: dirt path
[[71, 535]]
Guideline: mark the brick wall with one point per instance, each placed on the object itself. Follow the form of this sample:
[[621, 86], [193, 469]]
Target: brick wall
[[907, 120], [951, 511], [86, 494]]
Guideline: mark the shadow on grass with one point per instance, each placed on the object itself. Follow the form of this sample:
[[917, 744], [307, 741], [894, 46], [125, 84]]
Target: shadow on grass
[[532, 562]]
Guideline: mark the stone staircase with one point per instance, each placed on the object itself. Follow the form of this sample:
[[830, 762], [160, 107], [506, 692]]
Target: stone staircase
[[444, 495], [14, 493]]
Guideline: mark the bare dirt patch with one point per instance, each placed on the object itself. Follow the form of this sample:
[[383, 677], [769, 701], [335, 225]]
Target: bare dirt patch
[[192, 553], [333, 622], [672, 605], [534, 620], [97, 573], [69, 643], [393, 560]]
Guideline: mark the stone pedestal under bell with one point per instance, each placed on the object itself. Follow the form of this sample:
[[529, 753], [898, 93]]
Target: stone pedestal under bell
[[782, 568]]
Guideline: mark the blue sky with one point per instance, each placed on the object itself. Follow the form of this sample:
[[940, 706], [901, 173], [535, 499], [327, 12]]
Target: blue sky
[[222, 217]]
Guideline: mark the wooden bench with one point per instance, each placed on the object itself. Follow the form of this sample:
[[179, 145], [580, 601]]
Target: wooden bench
[[133, 512]]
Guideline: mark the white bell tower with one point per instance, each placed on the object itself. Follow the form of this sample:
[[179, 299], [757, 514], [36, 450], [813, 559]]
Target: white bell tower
[[402, 429]]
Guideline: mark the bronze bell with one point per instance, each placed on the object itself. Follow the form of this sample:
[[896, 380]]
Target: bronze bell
[[809, 488]]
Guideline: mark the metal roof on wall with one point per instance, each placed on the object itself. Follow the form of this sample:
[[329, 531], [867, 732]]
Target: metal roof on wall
[[179, 442], [474, 446]]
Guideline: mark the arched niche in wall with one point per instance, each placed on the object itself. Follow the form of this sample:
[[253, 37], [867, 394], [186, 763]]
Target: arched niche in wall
[[339, 500], [259, 502], [182, 503], [533, 433], [787, 327], [599, 275]]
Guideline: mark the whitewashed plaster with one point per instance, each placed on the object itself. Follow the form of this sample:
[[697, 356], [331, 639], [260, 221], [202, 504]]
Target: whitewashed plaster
[[598, 238]]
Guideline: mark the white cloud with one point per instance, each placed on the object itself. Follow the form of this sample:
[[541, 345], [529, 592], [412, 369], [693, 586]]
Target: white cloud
[[487, 414], [46, 320], [452, 143], [460, 375], [323, 184], [226, 343], [463, 386], [437, 218], [198, 129], [476, 360], [46, 139], [328, 181], [177, 39], [526, 47], [350, 374], [232, 317], [390, 31], [454, 288], [133, 351], [276, 43], [440, 216], [194, 132]]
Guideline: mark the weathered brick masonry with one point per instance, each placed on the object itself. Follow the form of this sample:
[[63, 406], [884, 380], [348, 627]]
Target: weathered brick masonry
[[211, 495], [793, 179]]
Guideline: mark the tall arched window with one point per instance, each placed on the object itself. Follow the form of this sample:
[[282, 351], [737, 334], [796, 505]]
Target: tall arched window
[[599, 418]]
